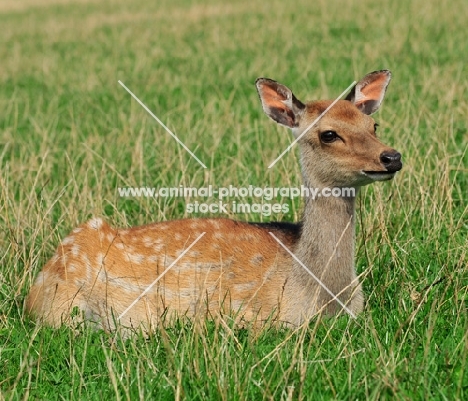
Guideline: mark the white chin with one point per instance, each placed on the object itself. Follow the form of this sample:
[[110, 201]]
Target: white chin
[[377, 176]]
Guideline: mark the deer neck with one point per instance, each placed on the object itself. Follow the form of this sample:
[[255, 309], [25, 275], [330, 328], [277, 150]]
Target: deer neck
[[328, 234], [326, 248]]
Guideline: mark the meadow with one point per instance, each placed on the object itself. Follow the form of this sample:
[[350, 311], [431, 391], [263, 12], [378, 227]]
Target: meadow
[[70, 136]]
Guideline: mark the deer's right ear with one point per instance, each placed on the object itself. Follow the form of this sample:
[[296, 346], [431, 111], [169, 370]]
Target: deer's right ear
[[279, 103]]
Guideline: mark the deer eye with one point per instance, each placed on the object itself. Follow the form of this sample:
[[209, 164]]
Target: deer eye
[[328, 136]]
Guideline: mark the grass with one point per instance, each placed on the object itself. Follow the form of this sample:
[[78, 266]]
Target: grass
[[70, 135]]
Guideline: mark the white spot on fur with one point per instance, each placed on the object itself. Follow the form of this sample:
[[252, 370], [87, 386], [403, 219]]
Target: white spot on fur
[[148, 242], [102, 276], [248, 237], [227, 262], [124, 284], [168, 260], [41, 278], [218, 235], [153, 259], [245, 287], [128, 248], [77, 230], [215, 223], [69, 240], [194, 224], [236, 306], [75, 250], [64, 259], [257, 259], [95, 223], [178, 237], [135, 258], [71, 268], [157, 248], [120, 245], [88, 265], [100, 259]]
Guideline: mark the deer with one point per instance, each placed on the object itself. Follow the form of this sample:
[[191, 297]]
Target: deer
[[217, 267]]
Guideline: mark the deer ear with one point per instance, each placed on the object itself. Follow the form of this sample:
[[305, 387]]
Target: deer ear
[[369, 92], [279, 103]]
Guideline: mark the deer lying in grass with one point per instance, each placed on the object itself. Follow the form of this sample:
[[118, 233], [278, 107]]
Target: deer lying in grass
[[235, 267]]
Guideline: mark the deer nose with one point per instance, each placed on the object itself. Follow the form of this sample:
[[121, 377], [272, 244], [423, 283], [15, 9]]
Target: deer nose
[[391, 160]]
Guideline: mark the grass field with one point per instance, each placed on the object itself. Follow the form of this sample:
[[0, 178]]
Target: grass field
[[70, 135]]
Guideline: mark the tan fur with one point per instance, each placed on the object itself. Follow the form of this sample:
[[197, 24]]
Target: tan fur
[[235, 268]]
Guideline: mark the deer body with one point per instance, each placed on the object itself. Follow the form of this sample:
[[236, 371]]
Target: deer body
[[235, 268]]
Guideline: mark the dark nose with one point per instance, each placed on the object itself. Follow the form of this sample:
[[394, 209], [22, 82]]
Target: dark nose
[[391, 161]]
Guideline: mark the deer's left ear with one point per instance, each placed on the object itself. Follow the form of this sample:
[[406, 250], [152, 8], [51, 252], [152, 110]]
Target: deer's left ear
[[369, 92]]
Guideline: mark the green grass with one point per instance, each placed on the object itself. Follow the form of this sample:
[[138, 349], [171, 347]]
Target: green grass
[[70, 135]]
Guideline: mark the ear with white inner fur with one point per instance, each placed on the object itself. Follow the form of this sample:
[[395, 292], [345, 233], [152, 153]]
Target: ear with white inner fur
[[279, 103], [369, 92]]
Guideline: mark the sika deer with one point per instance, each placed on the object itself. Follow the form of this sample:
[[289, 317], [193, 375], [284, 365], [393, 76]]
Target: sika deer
[[235, 267]]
